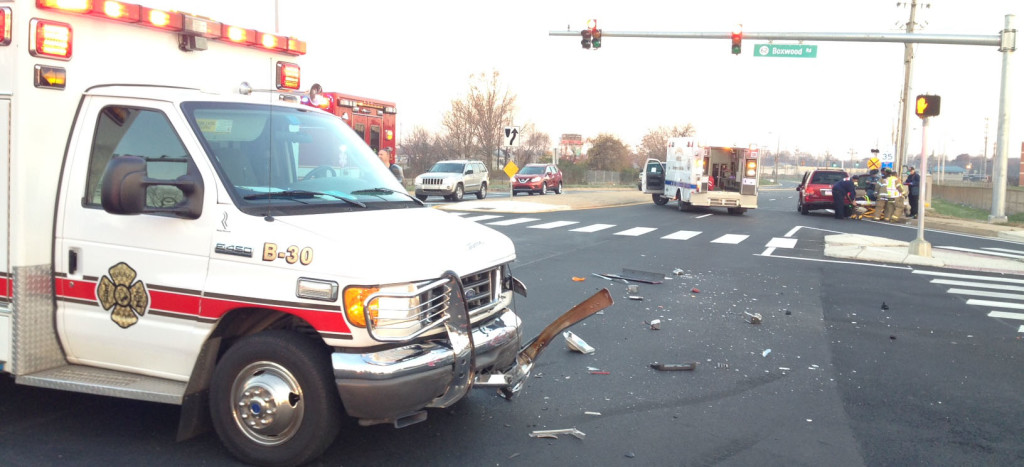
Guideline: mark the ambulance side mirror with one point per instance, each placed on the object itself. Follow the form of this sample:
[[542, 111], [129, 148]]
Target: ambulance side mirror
[[125, 185]]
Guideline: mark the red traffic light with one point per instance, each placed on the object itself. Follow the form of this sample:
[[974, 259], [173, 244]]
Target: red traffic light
[[737, 40], [587, 38]]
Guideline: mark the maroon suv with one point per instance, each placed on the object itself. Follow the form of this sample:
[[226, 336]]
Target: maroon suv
[[816, 189], [537, 178]]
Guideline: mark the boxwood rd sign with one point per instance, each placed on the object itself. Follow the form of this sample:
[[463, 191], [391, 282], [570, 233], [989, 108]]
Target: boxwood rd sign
[[785, 50]]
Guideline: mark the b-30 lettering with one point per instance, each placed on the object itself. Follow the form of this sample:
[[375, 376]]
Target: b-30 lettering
[[290, 255]]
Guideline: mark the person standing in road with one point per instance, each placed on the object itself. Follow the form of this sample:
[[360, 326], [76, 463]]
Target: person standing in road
[[843, 193], [396, 170], [913, 184]]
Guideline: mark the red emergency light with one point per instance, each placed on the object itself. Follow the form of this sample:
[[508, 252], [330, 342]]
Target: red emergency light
[[271, 41], [68, 6], [50, 39], [161, 19], [5, 26], [167, 20], [287, 76], [238, 35], [118, 11]]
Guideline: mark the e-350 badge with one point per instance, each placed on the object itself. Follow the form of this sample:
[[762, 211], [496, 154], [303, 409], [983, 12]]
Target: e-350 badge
[[127, 299]]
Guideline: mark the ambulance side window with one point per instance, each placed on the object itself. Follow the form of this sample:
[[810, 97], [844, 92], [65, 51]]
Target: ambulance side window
[[128, 131]]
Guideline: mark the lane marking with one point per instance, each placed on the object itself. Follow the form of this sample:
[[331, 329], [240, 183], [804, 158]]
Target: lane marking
[[520, 220], [981, 252], [978, 285], [552, 225], [768, 251], [682, 235], [1016, 306], [731, 239], [793, 231], [705, 215], [1006, 314], [1019, 252], [594, 228], [985, 293], [818, 260], [782, 243], [636, 231], [970, 276], [482, 218]]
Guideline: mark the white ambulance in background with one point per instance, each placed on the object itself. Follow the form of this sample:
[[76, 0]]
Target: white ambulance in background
[[178, 228], [709, 176]]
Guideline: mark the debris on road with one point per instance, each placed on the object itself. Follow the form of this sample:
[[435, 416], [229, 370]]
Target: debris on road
[[597, 414], [625, 278], [695, 290], [753, 318], [577, 344], [766, 352], [675, 366], [554, 433], [655, 324], [578, 279], [636, 297], [632, 289], [884, 306]]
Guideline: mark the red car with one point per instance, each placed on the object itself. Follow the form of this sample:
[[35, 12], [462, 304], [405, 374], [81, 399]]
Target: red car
[[816, 189], [537, 178]]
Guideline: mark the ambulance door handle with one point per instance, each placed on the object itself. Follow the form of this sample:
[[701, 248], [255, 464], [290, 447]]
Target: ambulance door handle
[[72, 262]]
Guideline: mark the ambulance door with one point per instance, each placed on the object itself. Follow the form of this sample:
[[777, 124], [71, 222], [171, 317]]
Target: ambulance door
[[653, 180], [129, 286], [5, 282]]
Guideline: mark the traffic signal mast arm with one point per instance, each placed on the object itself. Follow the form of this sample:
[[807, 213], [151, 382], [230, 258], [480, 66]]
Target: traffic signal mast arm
[[956, 39]]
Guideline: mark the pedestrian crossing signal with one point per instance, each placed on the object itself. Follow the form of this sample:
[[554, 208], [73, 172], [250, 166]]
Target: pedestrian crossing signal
[[927, 106]]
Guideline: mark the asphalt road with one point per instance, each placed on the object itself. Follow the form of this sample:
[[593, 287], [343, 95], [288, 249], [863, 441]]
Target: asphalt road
[[827, 377]]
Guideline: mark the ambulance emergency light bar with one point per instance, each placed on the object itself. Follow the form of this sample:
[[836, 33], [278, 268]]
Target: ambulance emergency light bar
[[190, 26]]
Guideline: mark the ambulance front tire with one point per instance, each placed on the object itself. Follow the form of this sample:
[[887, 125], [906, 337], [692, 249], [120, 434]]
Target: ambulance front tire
[[281, 383], [659, 200]]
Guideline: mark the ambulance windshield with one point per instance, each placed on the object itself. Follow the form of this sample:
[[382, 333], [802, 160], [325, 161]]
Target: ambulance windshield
[[282, 160]]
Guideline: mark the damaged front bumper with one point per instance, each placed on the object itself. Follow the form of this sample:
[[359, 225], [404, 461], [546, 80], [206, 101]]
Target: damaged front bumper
[[396, 385]]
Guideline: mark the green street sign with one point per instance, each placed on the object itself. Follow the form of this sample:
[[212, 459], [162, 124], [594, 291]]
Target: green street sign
[[785, 50]]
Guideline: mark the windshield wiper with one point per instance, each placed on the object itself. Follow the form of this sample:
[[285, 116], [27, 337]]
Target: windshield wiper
[[388, 191], [301, 194]]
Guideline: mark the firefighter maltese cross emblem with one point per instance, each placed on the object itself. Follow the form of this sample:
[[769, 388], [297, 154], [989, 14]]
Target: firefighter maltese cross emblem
[[126, 300]]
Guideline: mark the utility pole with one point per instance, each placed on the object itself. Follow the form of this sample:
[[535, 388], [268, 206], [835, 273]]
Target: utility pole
[[908, 71]]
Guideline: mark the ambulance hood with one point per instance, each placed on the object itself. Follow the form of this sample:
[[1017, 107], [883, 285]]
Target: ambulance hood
[[393, 245]]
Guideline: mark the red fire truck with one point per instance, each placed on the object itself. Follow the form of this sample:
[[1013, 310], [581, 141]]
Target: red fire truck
[[373, 119]]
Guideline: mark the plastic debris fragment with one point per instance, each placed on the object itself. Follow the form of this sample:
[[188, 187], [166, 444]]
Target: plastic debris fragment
[[766, 352], [554, 433], [577, 344], [578, 279], [655, 324], [695, 290], [754, 318]]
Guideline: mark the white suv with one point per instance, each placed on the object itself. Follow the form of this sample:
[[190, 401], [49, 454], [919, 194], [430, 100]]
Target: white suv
[[453, 179]]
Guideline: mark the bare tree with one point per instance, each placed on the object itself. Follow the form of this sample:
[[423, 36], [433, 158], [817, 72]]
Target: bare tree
[[654, 144], [422, 150], [535, 146], [608, 153], [474, 124]]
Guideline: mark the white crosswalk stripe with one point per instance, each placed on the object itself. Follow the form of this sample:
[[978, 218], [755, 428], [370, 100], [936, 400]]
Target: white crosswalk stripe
[[681, 235], [731, 239], [593, 228], [981, 286], [515, 221], [482, 218], [636, 231], [553, 225]]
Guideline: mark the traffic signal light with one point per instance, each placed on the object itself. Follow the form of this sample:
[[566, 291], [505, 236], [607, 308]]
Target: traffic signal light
[[737, 39], [596, 33], [927, 106], [587, 38]]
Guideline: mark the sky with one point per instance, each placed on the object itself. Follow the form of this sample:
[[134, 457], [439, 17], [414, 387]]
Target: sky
[[845, 101]]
